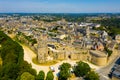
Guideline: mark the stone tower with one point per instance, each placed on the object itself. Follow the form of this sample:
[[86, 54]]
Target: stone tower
[[42, 48], [87, 32]]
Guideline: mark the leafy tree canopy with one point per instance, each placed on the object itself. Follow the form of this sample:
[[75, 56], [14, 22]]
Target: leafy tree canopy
[[64, 71], [65, 66], [27, 76], [50, 76], [13, 65], [40, 76], [81, 69], [92, 76]]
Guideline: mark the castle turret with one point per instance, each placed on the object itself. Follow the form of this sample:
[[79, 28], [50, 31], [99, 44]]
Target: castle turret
[[42, 48]]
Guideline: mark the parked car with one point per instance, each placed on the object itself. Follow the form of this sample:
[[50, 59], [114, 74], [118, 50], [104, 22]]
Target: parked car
[[52, 68]]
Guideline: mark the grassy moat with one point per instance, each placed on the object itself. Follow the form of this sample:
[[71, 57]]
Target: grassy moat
[[48, 63]]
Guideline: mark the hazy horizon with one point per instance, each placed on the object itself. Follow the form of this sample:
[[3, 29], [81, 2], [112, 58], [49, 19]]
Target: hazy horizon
[[59, 6]]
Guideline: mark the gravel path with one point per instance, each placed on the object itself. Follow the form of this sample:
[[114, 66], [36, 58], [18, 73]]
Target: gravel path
[[29, 55]]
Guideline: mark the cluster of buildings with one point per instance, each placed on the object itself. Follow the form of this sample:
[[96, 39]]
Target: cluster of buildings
[[61, 40], [115, 71]]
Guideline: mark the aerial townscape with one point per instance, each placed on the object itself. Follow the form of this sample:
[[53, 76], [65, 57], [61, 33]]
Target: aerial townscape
[[50, 41], [59, 40]]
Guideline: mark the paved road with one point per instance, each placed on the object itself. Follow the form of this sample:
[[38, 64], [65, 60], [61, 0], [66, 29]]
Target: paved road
[[104, 71]]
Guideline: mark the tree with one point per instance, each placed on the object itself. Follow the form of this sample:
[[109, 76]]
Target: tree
[[25, 67], [81, 69], [64, 71], [40, 76], [64, 74], [50, 76], [92, 76], [13, 65], [8, 71], [27, 76], [112, 25], [65, 66], [108, 51]]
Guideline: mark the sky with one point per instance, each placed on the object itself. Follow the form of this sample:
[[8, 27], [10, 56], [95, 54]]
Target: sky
[[59, 6]]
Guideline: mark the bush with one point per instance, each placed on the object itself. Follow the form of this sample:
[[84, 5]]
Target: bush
[[92, 76], [81, 69], [64, 71], [13, 65], [50, 76], [40, 76], [27, 76]]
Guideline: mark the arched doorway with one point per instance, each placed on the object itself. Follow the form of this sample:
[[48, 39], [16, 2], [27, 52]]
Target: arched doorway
[[69, 56]]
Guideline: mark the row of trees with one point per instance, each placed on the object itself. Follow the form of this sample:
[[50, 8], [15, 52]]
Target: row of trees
[[40, 76], [25, 38], [80, 70], [13, 66], [111, 25]]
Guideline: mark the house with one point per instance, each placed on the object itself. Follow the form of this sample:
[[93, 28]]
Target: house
[[99, 46], [111, 46], [117, 38], [115, 71], [97, 25]]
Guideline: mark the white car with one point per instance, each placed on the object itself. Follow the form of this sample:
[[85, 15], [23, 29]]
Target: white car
[[52, 68]]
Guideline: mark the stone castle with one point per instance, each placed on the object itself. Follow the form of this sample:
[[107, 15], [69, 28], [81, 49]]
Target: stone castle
[[49, 50]]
